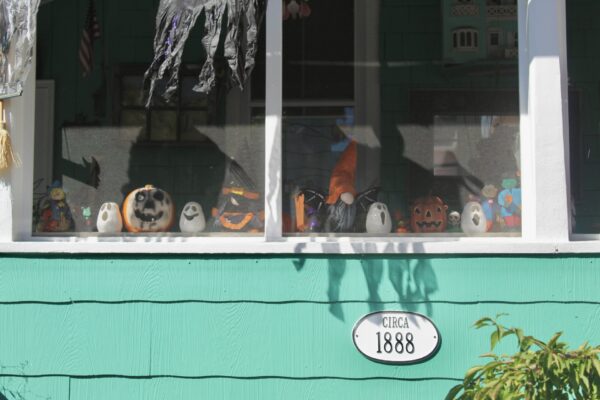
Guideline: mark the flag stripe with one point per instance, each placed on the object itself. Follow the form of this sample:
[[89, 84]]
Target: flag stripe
[[91, 32]]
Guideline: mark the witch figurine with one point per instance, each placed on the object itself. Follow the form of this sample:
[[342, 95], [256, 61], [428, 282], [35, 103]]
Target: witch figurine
[[240, 206]]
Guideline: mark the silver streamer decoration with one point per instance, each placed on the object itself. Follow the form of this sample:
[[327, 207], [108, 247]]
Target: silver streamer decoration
[[17, 37], [175, 20]]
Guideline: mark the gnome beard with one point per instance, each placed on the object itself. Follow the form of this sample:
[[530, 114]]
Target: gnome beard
[[340, 217]]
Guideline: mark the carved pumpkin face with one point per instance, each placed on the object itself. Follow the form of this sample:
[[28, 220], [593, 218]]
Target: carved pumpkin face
[[148, 209], [429, 214]]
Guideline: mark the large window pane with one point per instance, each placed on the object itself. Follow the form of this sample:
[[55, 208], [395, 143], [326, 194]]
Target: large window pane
[[399, 120], [584, 103], [191, 165]]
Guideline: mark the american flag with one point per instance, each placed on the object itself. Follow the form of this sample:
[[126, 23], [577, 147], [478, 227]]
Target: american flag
[[91, 32]]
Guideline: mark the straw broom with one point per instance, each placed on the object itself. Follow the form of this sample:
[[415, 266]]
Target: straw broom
[[7, 156]]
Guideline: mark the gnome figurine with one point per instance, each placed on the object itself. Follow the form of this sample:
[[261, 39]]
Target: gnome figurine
[[109, 218], [192, 218], [341, 212], [240, 207]]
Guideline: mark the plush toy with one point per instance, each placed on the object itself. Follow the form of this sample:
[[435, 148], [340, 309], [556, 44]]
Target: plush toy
[[428, 215], [192, 218], [148, 209], [453, 221], [379, 220], [54, 211], [473, 221], [490, 208], [509, 200], [240, 207], [109, 219]]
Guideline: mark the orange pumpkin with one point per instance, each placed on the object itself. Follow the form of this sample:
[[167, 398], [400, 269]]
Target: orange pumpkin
[[429, 214], [148, 209]]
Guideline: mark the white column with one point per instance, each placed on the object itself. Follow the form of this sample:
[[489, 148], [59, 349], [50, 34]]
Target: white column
[[273, 111], [16, 185], [544, 110]]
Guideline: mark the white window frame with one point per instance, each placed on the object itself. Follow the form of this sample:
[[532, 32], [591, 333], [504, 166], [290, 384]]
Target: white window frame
[[544, 154]]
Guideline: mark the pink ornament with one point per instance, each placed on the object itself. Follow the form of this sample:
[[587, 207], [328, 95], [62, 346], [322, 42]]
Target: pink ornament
[[305, 10]]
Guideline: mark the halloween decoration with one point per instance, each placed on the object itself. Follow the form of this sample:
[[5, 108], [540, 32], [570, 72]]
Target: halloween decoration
[[175, 20], [510, 202], [86, 213], [109, 219], [192, 218], [379, 220], [240, 206], [294, 9], [148, 209], [429, 214], [7, 156], [489, 205], [18, 19], [453, 221], [473, 221], [343, 207], [402, 225], [309, 210], [55, 214]]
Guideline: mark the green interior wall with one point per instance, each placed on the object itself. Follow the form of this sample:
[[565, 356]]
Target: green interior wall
[[222, 327]]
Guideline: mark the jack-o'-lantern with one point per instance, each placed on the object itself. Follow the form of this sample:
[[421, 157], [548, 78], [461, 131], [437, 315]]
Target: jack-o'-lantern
[[428, 215], [148, 209]]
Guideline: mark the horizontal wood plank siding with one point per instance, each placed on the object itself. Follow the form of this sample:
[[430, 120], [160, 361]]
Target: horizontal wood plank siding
[[274, 327]]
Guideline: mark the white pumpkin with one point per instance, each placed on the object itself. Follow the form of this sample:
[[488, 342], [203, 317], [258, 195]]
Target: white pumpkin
[[148, 209], [378, 219], [109, 218], [192, 218], [473, 220]]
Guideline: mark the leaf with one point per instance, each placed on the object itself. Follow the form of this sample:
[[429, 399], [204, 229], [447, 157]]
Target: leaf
[[554, 339], [494, 339], [453, 392]]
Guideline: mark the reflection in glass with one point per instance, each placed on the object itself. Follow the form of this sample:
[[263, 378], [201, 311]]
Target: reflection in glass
[[416, 125]]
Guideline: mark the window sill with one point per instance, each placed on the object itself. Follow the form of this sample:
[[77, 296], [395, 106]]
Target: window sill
[[310, 245]]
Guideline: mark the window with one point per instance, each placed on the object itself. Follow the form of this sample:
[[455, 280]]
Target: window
[[465, 39], [403, 147]]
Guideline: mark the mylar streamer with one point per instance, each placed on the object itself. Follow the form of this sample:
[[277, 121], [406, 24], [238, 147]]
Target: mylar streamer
[[17, 37], [175, 20]]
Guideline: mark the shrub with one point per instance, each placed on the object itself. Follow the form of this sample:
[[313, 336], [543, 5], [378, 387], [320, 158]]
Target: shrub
[[538, 370]]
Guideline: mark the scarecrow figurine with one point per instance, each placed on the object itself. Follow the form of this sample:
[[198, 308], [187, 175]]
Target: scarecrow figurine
[[240, 207], [54, 212]]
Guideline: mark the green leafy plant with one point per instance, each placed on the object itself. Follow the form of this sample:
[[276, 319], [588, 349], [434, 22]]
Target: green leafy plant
[[539, 370]]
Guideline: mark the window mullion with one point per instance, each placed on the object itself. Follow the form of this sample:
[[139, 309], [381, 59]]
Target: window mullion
[[273, 121], [544, 113]]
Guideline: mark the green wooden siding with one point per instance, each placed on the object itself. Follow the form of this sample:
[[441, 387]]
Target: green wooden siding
[[269, 328]]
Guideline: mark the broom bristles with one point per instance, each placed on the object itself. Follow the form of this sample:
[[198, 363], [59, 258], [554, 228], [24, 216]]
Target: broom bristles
[[8, 157]]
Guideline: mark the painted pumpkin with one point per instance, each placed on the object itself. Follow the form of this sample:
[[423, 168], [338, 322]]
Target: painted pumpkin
[[428, 215], [148, 209]]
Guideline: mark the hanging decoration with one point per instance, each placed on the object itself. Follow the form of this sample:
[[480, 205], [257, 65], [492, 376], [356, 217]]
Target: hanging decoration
[[17, 36], [296, 9], [7, 156], [175, 20]]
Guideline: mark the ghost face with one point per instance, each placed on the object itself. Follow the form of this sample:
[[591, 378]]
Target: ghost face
[[454, 219], [378, 219], [192, 218], [148, 209], [473, 220], [109, 219]]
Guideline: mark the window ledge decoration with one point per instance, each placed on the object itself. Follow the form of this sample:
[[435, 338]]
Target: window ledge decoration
[[17, 37], [175, 20]]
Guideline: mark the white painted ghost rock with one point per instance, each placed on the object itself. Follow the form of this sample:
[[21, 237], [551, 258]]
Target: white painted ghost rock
[[192, 218], [473, 220], [109, 219], [378, 219], [453, 220]]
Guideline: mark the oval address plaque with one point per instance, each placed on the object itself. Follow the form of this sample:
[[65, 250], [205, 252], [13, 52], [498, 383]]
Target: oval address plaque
[[396, 337]]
